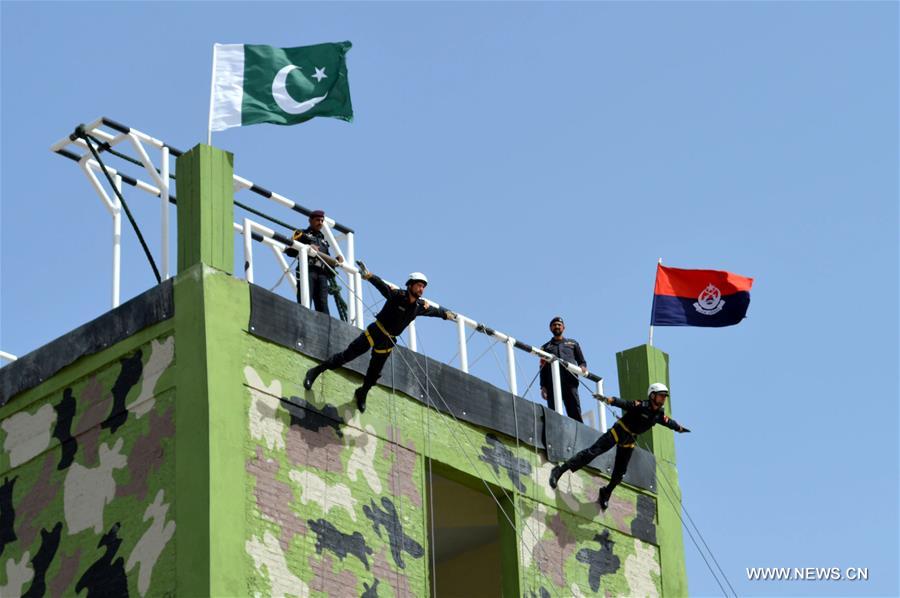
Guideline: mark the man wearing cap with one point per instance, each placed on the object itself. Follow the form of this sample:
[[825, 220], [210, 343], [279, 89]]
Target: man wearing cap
[[569, 350], [320, 275], [400, 308]]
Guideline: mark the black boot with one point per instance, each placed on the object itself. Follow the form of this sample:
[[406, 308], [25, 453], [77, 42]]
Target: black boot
[[360, 395], [603, 497], [311, 375], [556, 473]]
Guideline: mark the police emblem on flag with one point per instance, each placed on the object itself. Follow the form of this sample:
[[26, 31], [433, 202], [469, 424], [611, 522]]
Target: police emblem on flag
[[710, 298], [709, 301]]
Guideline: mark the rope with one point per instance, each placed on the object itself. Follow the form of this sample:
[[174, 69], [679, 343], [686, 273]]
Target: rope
[[283, 275], [697, 529], [428, 385], [335, 291], [80, 132], [430, 481], [516, 420], [471, 334], [697, 546], [475, 467]]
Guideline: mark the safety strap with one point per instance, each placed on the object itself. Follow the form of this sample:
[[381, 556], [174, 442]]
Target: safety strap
[[372, 343]]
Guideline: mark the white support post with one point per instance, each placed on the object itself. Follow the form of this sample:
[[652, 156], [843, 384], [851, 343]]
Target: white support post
[[117, 244], [413, 345], [463, 352], [511, 365], [304, 275], [557, 386], [360, 316], [601, 407], [248, 251], [351, 281], [164, 200]]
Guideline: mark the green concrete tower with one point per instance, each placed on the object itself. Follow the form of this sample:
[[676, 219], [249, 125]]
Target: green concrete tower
[[638, 368], [168, 448]]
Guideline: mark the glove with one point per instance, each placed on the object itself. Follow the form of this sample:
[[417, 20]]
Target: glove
[[683, 430], [450, 315], [363, 271]]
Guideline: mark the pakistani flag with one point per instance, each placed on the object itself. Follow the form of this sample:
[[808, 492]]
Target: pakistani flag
[[285, 86]]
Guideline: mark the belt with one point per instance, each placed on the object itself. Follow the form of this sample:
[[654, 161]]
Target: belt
[[616, 436], [372, 341]]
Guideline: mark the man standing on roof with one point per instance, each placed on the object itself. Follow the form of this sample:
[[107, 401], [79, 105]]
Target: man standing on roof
[[400, 308], [637, 417], [320, 275], [569, 350]]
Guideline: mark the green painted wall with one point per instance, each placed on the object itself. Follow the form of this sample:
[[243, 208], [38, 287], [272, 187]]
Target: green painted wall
[[312, 482], [87, 475], [639, 367], [272, 501]]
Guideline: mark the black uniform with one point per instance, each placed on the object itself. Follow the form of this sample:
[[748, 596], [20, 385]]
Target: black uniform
[[319, 275], [569, 350], [637, 417], [380, 335]]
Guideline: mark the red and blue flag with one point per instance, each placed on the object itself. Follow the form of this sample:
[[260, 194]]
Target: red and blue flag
[[699, 297]]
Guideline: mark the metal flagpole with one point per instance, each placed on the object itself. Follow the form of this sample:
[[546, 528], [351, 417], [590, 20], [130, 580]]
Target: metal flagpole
[[212, 89], [653, 308]]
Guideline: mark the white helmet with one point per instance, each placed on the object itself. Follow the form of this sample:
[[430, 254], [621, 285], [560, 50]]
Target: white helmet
[[416, 276], [657, 387]]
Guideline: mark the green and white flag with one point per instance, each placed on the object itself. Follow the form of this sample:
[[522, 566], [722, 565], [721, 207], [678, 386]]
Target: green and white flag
[[285, 86]]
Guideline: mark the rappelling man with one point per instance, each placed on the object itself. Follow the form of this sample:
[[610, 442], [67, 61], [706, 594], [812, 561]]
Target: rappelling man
[[637, 418], [400, 308]]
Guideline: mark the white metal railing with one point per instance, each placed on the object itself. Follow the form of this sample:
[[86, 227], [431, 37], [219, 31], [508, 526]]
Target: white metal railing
[[253, 231], [111, 134], [511, 343], [7, 356], [159, 186]]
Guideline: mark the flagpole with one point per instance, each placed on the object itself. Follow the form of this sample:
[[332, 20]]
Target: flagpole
[[653, 307], [212, 89]]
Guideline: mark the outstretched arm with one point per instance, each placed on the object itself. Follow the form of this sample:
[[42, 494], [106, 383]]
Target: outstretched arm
[[437, 312], [671, 424], [379, 284]]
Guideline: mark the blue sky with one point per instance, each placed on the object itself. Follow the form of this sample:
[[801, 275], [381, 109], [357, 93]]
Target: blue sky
[[535, 160]]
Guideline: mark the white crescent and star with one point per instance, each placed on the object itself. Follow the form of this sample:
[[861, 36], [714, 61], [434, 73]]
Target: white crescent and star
[[284, 99]]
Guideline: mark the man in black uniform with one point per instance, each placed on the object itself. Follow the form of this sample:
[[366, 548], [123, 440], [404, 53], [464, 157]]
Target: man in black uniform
[[569, 350], [637, 417], [400, 308], [319, 274]]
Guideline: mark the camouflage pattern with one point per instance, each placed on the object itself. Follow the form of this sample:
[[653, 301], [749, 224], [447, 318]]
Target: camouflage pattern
[[87, 482], [339, 500], [336, 503]]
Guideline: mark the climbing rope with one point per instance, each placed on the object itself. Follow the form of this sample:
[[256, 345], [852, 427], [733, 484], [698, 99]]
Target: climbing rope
[[427, 386], [89, 140], [670, 493]]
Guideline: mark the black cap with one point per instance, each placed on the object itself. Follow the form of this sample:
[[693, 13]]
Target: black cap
[[316, 214], [557, 319]]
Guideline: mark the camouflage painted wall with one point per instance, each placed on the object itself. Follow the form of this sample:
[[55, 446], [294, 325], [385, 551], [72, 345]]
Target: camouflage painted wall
[[337, 501], [87, 483]]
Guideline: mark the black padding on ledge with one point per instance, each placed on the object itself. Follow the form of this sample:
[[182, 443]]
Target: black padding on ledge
[[470, 399], [148, 308]]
